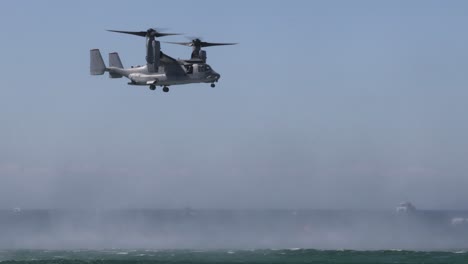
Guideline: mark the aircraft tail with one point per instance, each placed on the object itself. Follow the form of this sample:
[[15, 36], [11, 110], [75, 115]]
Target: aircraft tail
[[114, 61], [97, 66]]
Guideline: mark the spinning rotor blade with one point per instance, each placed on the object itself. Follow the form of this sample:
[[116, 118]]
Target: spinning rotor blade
[[208, 44], [188, 44], [136, 33], [200, 44], [148, 33]]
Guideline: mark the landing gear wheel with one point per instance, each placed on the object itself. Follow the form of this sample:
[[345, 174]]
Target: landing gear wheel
[[213, 85], [165, 89], [152, 87]]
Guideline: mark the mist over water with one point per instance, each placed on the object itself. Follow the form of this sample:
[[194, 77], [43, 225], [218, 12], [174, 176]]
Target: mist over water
[[231, 229]]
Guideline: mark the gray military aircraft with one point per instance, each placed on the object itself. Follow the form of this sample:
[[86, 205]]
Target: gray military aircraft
[[160, 69]]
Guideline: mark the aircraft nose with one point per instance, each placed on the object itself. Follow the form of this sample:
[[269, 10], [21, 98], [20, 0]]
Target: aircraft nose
[[214, 76]]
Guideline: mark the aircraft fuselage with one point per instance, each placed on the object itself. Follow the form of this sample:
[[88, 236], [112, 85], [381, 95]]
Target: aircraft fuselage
[[194, 73]]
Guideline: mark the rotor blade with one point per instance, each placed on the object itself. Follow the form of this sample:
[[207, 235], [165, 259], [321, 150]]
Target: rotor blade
[[208, 44], [136, 33], [200, 44], [161, 31], [188, 44], [152, 32], [158, 34]]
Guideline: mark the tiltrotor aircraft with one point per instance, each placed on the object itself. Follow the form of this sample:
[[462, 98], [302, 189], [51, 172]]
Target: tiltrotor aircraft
[[160, 69]]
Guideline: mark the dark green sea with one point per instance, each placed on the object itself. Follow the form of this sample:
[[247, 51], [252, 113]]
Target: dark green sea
[[283, 256]]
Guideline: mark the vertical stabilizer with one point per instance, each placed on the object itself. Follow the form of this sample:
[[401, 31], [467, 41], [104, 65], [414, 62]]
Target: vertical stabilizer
[[97, 66], [114, 62]]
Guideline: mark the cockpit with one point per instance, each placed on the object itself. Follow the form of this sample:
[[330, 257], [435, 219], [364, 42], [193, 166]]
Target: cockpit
[[204, 68], [198, 68]]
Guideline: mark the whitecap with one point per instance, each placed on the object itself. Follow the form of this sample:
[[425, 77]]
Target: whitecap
[[122, 253]]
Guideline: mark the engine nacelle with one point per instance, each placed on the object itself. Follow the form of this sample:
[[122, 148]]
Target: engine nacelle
[[153, 54], [202, 55]]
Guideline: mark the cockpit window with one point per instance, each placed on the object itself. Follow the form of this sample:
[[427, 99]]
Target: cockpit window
[[189, 69], [203, 68]]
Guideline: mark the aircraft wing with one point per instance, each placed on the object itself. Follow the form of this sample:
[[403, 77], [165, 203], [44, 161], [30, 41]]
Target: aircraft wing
[[194, 61], [171, 65]]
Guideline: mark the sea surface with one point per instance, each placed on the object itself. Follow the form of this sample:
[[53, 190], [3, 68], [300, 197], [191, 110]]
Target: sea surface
[[283, 256], [278, 236]]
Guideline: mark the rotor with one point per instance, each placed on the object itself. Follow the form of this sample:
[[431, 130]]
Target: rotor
[[149, 33], [197, 43]]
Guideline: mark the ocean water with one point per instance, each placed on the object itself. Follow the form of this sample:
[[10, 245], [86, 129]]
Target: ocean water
[[283, 256], [285, 236]]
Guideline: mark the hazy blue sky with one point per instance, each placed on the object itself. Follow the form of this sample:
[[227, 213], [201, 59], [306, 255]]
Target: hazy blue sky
[[324, 104]]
